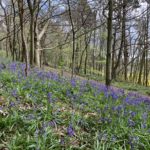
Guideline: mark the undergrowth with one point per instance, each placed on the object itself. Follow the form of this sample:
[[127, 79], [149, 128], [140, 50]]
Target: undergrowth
[[47, 112]]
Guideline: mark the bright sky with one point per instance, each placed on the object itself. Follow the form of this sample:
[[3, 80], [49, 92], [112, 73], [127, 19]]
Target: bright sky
[[140, 10]]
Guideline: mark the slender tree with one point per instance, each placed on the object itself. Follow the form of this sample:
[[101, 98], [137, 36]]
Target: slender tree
[[109, 42]]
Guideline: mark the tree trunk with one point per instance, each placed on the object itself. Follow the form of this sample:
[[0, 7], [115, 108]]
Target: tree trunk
[[141, 68], [24, 45], [109, 42], [125, 41], [14, 31], [113, 54]]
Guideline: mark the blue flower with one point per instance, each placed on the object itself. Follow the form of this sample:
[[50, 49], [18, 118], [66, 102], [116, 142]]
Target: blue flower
[[49, 96], [143, 125], [73, 82], [133, 114], [131, 123], [12, 104], [144, 116], [118, 108], [70, 131], [52, 123], [114, 95], [14, 93], [105, 120]]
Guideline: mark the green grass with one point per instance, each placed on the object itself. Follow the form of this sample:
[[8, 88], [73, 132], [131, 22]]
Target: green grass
[[3, 58], [133, 87]]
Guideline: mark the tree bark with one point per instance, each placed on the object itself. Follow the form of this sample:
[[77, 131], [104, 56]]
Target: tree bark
[[109, 43], [24, 45]]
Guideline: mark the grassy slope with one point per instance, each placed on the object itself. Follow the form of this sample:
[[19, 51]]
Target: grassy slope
[[124, 85], [48, 112], [133, 87]]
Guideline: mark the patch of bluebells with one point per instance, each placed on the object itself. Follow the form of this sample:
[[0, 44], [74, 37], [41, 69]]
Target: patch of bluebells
[[118, 108], [109, 104], [13, 67], [130, 98], [114, 95]]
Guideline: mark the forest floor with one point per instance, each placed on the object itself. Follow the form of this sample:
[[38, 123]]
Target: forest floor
[[48, 111], [128, 86]]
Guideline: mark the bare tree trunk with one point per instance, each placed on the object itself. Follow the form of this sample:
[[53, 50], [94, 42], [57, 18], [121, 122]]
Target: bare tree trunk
[[32, 8], [93, 52], [86, 55], [7, 48], [141, 68], [113, 53], [109, 42], [147, 47], [19, 47], [125, 41], [24, 46], [73, 39], [14, 30], [38, 52], [32, 40]]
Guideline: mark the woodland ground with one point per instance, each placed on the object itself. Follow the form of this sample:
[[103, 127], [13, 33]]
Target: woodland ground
[[129, 86], [47, 111]]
